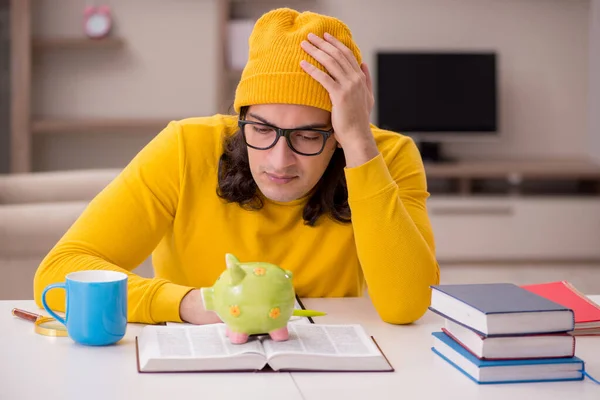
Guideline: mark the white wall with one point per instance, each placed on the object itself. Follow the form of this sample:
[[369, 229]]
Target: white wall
[[594, 105], [543, 61], [167, 68]]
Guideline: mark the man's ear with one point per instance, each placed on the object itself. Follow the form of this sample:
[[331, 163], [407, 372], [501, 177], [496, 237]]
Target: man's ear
[[338, 145]]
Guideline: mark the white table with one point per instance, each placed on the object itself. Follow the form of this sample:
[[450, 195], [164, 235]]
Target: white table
[[35, 367], [419, 373]]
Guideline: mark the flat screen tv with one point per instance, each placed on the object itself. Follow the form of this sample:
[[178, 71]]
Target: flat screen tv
[[437, 94]]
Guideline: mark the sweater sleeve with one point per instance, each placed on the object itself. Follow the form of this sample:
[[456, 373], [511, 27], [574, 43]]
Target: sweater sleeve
[[120, 228], [394, 239]]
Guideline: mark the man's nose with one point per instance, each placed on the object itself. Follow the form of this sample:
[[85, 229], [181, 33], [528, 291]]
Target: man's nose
[[281, 156]]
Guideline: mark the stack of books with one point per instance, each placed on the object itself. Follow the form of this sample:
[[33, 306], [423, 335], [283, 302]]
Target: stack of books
[[503, 333]]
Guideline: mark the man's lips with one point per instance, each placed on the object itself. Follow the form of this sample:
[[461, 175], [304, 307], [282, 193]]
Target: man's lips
[[279, 178]]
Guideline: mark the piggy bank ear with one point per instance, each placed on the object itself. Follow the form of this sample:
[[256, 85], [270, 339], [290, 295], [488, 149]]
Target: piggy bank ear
[[236, 272], [231, 260]]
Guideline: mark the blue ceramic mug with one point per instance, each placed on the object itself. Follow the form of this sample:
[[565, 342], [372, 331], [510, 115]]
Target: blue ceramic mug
[[96, 306]]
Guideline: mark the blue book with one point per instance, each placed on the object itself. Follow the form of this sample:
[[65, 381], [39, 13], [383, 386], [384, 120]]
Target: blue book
[[496, 309], [506, 371]]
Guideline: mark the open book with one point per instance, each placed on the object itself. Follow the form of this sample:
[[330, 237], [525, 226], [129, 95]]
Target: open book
[[310, 347]]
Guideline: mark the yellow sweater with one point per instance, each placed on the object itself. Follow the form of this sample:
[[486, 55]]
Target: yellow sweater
[[165, 203]]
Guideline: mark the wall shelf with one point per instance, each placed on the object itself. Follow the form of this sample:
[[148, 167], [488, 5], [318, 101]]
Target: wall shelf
[[576, 176], [42, 43], [24, 126], [560, 168], [51, 126]]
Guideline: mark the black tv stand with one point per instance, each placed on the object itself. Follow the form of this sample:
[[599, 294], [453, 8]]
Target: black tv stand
[[431, 152]]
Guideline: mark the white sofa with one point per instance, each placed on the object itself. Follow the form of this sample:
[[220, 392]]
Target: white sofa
[[35, 211]]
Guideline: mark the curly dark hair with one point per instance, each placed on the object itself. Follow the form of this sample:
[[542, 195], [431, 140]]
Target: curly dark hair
[[236, 184]]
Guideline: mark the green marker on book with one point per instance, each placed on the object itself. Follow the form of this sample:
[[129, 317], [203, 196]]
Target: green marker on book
[[307, 313]]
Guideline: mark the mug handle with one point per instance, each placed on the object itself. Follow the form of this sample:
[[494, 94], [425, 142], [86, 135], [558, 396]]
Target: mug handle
[[49, 287]]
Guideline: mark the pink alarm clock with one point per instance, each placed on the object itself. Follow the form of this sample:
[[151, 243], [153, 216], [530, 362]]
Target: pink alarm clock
[[97, 21]]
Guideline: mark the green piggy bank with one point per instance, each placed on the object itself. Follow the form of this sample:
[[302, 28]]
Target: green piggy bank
[[252, 298]]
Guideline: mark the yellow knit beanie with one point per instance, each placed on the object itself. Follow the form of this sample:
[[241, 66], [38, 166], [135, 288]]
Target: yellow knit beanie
[[273, 73]]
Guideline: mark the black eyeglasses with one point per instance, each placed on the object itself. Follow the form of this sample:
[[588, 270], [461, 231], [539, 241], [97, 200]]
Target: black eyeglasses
[[306, 142]]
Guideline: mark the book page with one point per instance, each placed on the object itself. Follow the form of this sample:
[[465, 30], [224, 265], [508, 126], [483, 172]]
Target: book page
[[201, 341], [334, 340]]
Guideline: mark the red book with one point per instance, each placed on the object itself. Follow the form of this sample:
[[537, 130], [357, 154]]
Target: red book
[[587, 313]]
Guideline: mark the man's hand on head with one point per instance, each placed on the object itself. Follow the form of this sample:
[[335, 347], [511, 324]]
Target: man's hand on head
[[351, 91]]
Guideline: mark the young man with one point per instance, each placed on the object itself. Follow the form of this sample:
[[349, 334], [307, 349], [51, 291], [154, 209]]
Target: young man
[[300, 178]]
